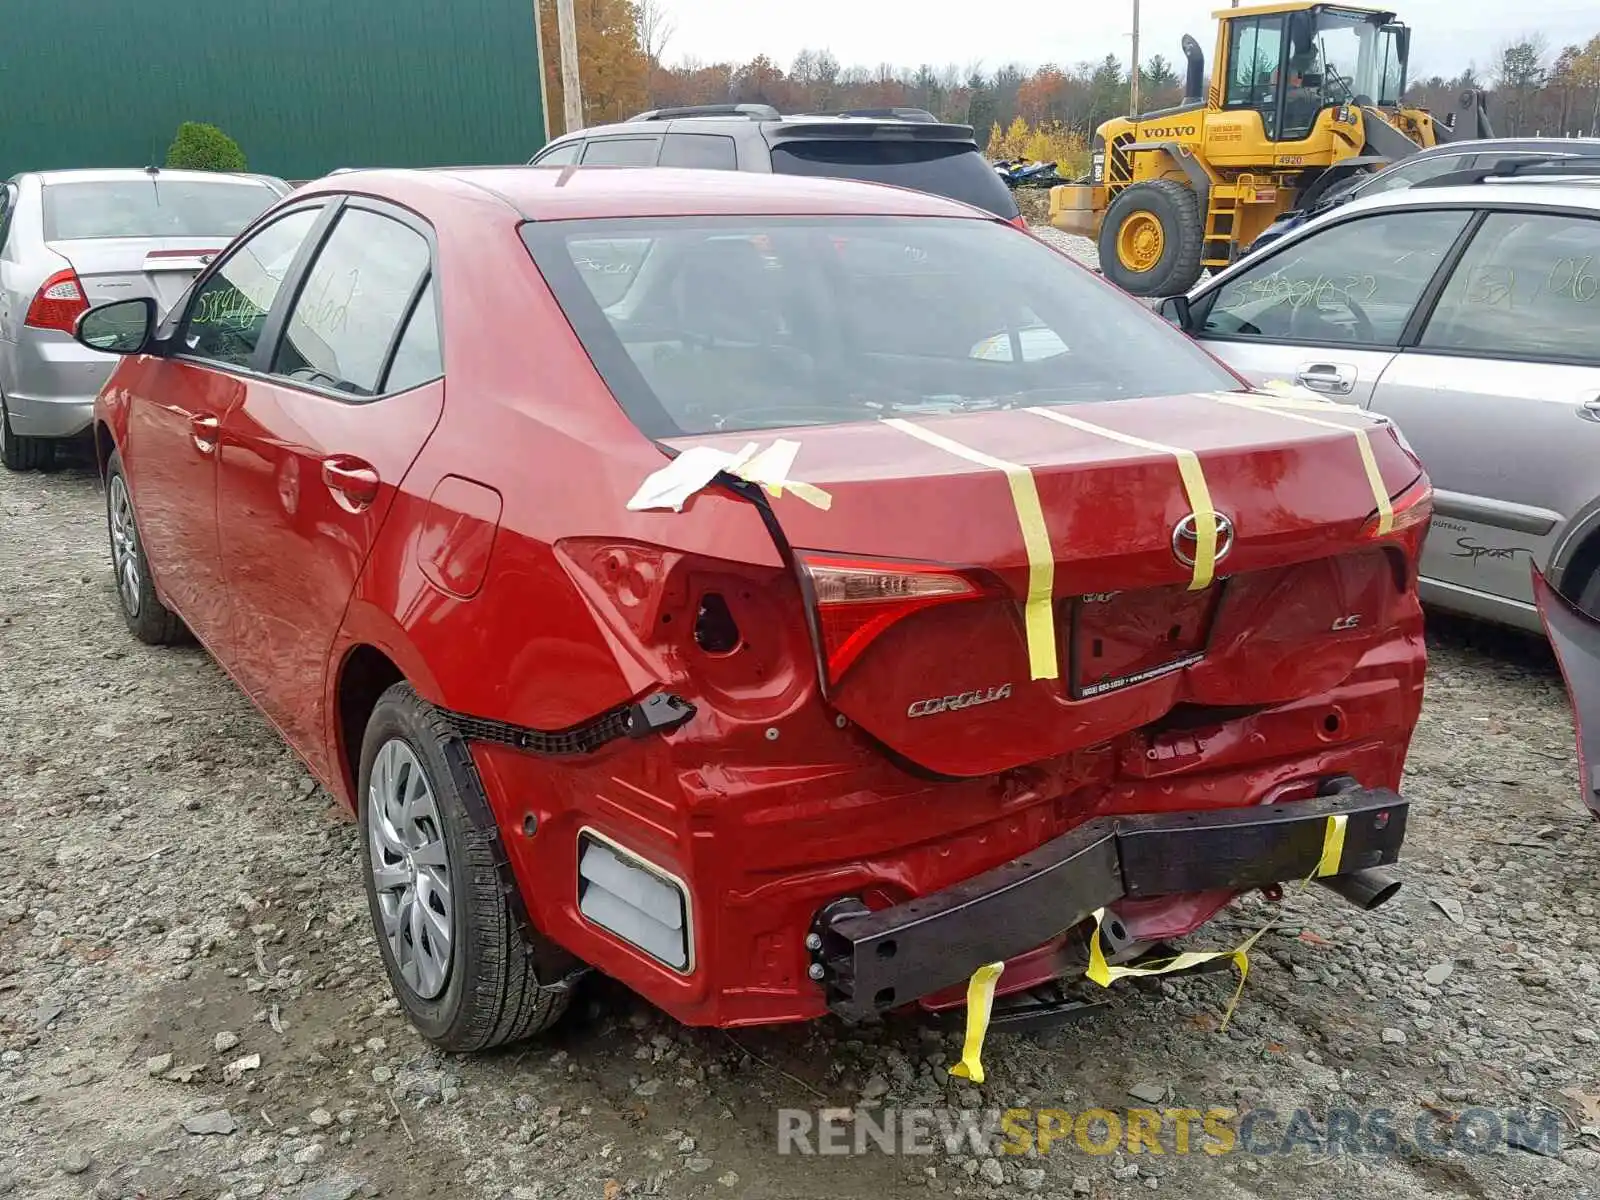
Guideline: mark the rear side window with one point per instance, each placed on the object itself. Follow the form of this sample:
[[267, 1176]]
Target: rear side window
[[417, 359], [744, 323], [1528, 287], [360, 288], [152, 208], [227, 315], [621, 152], [707, 151], [950, 169]]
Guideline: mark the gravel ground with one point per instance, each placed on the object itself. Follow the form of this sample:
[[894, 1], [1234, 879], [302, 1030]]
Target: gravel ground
[[191, 1003]]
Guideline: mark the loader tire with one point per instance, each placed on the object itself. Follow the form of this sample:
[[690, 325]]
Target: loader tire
[[1151, 237]]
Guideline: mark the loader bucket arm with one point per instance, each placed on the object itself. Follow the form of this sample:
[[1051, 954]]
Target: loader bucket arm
[[1575, 637]]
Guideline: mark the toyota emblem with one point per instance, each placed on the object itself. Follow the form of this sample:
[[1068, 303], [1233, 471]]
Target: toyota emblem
[[1185, 539]]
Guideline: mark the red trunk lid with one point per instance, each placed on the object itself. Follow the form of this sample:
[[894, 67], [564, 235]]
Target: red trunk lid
[[1303, 589]]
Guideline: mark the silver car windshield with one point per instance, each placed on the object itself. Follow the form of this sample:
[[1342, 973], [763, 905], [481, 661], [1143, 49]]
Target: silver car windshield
[[152, 208]]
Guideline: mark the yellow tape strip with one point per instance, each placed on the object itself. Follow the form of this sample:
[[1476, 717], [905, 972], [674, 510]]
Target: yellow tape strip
[[1105, 974], [1293, 410], [770, 469], [980, 1002], [1038, 614], [1194, 487]]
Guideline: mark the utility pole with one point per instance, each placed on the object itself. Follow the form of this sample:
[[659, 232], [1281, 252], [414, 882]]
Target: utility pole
[[571, 95], [1133, 90]]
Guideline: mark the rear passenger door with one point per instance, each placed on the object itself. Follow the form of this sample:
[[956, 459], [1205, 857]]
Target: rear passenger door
[[346, 390], [1328, 310], [1501, 400]]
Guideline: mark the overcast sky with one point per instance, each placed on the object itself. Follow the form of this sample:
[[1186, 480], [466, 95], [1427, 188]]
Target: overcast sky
[[1447, 33]]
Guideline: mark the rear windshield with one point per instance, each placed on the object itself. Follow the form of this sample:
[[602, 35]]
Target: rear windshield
[[945, 169], [152, 208], [701, 324]]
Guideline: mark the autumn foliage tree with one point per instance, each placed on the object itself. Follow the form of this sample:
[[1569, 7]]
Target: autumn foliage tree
[[621, 67], [613, 67]]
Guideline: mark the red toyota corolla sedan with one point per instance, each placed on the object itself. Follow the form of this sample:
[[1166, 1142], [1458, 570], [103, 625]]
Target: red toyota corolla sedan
[[782, 595]]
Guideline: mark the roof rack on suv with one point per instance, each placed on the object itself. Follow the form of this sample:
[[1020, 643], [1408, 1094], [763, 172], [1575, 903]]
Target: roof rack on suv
[[1551, 166], [883, 114], [756, 112]]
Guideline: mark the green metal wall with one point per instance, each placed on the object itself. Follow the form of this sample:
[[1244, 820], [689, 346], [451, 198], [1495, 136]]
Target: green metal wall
[[304, 86]]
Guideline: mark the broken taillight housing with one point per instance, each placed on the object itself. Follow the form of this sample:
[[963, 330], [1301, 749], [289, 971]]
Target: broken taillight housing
[[1412, 508], [858, 599]]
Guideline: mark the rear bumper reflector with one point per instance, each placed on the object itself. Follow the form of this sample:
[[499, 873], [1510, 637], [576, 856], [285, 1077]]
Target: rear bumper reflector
[[874, 961], [640, 903]]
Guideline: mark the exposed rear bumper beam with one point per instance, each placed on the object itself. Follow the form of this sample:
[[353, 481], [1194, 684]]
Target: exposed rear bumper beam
[[874, 961]]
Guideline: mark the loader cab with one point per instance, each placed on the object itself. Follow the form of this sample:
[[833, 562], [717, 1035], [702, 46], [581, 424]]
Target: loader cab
[[1290, 63]]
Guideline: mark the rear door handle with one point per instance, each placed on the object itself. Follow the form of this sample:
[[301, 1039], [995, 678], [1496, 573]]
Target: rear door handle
[[1335, 379], [1590, 408], [353, 483], [205, 429]]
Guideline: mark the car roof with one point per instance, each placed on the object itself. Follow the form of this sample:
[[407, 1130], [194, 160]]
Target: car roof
[[1548, 192], [566, 193], [124, 174], [740, 122]]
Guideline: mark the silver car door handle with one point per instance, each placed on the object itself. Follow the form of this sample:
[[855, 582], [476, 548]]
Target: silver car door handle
[[1590, 408], [1333, 378]]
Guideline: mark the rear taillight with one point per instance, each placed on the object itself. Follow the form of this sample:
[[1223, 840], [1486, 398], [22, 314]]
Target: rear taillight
[[58, 304], [857, 600], [1411, 509]]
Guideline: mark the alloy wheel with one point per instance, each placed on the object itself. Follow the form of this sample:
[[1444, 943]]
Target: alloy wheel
[[410, 868], [124, 546]]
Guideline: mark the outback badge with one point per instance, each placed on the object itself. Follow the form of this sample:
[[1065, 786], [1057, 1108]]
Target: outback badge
[[940, 704]]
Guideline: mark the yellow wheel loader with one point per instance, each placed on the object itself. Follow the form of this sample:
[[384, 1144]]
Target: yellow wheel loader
[[1302, 96]]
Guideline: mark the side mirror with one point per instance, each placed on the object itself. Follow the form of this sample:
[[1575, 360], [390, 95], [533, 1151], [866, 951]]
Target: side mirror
[[121, 327], [1175, 309]]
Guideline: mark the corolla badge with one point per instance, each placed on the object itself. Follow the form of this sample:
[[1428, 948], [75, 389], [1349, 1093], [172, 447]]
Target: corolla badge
[[1185, 540], [941, 704]]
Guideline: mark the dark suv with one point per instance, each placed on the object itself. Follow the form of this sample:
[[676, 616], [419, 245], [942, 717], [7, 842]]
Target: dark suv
[[908, 147]]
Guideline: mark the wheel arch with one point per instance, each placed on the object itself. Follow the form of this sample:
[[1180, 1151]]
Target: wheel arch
[[1577, 552], [104, 445], [372, 654]]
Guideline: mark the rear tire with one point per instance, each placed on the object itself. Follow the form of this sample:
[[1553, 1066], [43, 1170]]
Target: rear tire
[[149, 620], [1150, 240], [23, 453], [450, 935]]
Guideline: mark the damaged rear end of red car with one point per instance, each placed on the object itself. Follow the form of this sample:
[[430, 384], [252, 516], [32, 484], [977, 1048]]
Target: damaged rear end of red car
[[980, 676]]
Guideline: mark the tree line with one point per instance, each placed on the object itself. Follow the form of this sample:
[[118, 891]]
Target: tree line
[[622, 44]]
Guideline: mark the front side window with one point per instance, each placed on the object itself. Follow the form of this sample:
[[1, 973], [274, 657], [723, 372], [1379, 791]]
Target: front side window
[[747, 323], [1253, 56], [1354, 283], [358, 291], [1528, 287], [229, 311], [559, 156], [152, 207], [621, 152]]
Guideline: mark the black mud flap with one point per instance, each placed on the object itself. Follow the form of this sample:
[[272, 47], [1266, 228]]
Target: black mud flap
[[1575, 637]]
